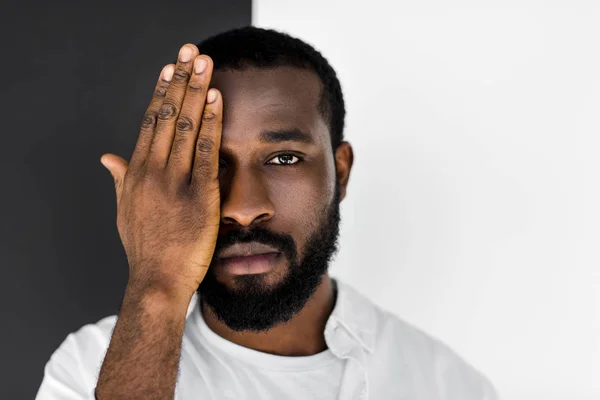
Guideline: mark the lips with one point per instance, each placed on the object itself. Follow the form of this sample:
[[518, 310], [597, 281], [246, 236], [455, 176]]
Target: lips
[[252, 264], [245, 250]]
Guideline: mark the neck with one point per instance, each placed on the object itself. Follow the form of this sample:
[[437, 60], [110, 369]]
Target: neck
[[303, 335]]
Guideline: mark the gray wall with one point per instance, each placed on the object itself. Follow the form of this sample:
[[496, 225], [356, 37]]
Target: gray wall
[[76, 80]]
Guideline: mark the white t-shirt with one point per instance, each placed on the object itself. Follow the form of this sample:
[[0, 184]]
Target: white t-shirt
[[267, 376], [371, 354]]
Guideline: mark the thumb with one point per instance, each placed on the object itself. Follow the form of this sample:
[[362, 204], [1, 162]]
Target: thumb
[[117, 167]]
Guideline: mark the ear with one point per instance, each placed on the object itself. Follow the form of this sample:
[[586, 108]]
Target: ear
[[344, 157]]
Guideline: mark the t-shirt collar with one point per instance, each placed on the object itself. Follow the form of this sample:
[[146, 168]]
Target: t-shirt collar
[[353, 313]]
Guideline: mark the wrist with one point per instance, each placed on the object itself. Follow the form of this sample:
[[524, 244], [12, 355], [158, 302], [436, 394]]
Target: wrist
[[157, 298]]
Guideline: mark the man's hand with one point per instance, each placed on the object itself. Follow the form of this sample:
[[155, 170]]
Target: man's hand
[[168, 200], [168, 211]]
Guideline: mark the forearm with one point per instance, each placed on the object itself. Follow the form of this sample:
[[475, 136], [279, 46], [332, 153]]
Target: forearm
[[143, 356]]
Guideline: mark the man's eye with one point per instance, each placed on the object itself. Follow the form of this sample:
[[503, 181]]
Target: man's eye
[[285, 159]]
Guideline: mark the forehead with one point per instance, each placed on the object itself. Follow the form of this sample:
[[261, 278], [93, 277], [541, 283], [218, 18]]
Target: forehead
[[257, 99]]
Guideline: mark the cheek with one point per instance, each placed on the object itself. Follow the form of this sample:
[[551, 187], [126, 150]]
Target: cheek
[[299, 202], [297, 199]]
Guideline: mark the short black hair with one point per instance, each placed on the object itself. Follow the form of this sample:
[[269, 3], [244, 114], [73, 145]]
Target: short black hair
[[266, 48]]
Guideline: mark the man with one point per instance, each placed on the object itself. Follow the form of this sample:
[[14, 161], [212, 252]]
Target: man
[[229, 214]]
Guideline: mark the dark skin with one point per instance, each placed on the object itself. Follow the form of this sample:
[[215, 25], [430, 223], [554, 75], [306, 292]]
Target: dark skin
[[173, 203], [279, 197]]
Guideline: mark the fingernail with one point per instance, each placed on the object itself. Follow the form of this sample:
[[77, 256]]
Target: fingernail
[[212, 96], [185, 54], [199, 65], [167, 73]]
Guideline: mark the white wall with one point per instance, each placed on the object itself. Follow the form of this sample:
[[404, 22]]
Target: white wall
[[473, 208]]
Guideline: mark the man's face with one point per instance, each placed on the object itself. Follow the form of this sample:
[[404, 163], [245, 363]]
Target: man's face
[[279, 193]]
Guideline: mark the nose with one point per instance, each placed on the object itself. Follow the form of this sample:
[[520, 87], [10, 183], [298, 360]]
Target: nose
[[245, 199]]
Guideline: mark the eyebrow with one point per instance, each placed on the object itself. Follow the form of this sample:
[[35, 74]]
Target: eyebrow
[[287, 135]]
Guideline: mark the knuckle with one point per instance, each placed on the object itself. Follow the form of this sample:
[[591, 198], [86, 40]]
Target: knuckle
[[160, 91], [151, 182], [195, 87], [181, 75], [205, 144], [167, 111], [149, 170], [149, 120], [209, 116], [185, 124]]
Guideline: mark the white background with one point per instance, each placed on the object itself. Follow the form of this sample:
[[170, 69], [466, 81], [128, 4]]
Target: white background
[[473, 206]]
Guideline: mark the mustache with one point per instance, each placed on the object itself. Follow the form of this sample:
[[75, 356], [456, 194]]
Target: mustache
[[282, 241]]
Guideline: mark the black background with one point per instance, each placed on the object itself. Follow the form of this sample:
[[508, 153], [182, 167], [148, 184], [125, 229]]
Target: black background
[[76, 80]]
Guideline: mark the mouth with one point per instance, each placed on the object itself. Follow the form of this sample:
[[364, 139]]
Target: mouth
[[250, 264]]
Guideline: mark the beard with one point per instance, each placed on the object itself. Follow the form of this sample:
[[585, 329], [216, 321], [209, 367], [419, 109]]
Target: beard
[[252, 306]]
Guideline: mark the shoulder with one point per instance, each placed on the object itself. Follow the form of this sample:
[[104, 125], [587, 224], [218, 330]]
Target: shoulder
[[87, 346], [412, 352], [438, 364], [73, 368]]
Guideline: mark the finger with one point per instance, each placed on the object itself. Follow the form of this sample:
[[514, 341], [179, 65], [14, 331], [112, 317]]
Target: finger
[[187, 126], [206, 160], [171, 106], [117, 167], [142, 147]]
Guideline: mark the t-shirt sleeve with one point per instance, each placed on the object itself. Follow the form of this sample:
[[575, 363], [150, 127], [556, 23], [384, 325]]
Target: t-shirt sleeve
[[72, 371]]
